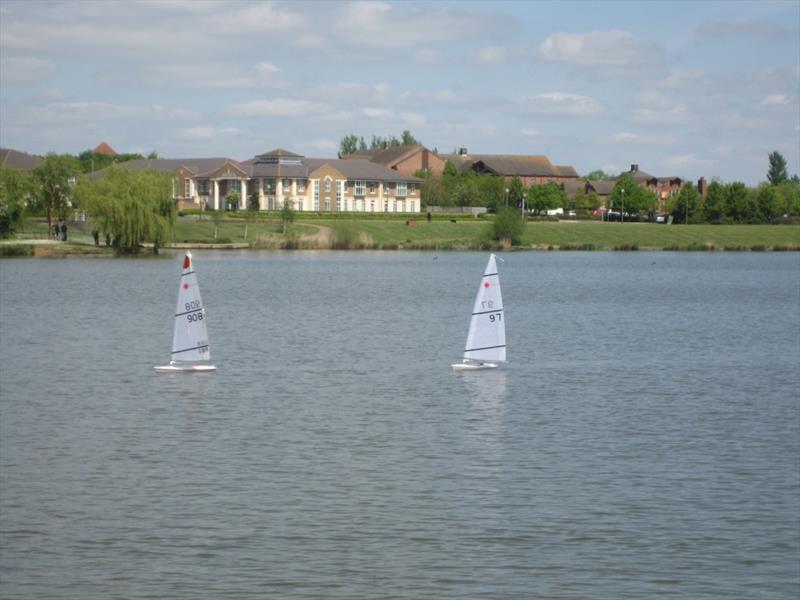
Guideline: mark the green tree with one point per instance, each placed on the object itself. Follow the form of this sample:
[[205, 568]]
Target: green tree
[[686, 206], [133, 207], [767, 202], [738, 208], [434, 192], [714, 205], [348, 145], [508, 226], [542, 197], [450, 169], [232, 199], [516, 192], [54, 179], [788, 198], [628, 196], [409, 140], [777, 168], [287, 216], [15, 190], [583, 200], [598, 175], [491, 189]]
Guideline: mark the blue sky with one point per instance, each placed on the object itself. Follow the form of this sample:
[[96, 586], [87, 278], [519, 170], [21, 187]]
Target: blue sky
[[684, 89]]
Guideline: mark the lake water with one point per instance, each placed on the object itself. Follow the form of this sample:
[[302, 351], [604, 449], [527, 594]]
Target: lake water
[[643, 440]]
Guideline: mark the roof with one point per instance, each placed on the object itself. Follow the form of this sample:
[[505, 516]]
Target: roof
[[20, 161], [510, 165], [103, 148], [169, 165], [302, 168], [386, 156], [602, 187]]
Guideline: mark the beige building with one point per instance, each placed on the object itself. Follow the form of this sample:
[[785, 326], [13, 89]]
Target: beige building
[[279, 177]]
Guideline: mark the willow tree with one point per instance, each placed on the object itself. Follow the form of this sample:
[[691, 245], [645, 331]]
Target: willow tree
[[133, 207]]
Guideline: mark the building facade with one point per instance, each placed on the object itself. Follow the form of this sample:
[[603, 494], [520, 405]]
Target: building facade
[[279, 177]]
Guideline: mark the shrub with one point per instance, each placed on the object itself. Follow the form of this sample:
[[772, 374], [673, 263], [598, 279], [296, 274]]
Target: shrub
[[508, 225]]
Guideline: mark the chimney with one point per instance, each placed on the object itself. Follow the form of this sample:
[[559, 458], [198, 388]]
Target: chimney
[[702, 187], [634, 168], [462, 151]]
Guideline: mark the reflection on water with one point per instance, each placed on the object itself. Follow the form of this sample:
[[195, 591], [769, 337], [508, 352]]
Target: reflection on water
[[487, 393]]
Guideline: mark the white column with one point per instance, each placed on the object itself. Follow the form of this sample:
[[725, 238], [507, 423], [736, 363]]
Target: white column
[[216, 195], [262, 201], [243, 199], [278, 192]]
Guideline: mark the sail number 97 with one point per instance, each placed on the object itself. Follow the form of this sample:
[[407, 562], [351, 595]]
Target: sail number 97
[[497, 317]]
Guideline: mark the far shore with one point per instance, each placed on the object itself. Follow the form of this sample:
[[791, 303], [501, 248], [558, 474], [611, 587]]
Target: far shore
[[315, 233]]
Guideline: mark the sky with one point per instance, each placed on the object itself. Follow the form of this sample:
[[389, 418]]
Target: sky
[[686, 89]]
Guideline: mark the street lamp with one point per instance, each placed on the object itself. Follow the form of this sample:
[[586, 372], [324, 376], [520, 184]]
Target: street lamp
[[622, 210], [506, 197]]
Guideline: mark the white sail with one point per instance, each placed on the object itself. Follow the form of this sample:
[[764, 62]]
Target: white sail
[[486, 340], [190, 340]]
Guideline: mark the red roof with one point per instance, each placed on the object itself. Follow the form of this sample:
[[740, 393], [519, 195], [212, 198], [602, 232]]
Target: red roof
[[104, 148]]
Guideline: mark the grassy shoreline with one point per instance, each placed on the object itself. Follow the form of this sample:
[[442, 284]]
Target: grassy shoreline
[[464, 233]]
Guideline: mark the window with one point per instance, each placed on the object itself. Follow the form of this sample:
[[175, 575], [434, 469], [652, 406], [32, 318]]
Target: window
[[372, 205], [316, 195], [401, 190], [401, 206], [339, 194], [301, 186], [361, 188], [298, 205], [327, 184], [387, 189], [269, 186], [316, 203], [385, 206], [287, 184], [371, 187], [187, 188], [202, 187], [327, 204], [412, 189]]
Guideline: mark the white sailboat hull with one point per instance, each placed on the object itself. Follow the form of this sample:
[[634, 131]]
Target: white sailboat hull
[[185, 368], [473, 366]]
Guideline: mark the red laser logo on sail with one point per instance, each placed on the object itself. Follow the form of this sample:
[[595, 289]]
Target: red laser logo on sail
[[486, 285]]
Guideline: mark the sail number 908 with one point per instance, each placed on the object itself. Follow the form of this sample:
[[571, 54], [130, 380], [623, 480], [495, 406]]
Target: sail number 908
[[198, 316]]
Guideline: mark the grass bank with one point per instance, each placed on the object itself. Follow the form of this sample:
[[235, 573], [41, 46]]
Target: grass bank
[[461, 233]]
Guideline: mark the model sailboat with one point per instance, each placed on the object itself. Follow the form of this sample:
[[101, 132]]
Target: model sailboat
[[486, 340], [190, 350]]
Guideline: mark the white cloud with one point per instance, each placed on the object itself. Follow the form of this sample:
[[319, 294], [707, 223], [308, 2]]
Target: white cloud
[[656, 108], [675, 115], [683, 162], [491, 56], [779, 100], [322, 145], [215, 76], [280, 107], [529, 132], [643, 140], [205, 132], [558, 103], [413, 119], [385, 25], [599, 49], [376, 113], [25, 70]]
